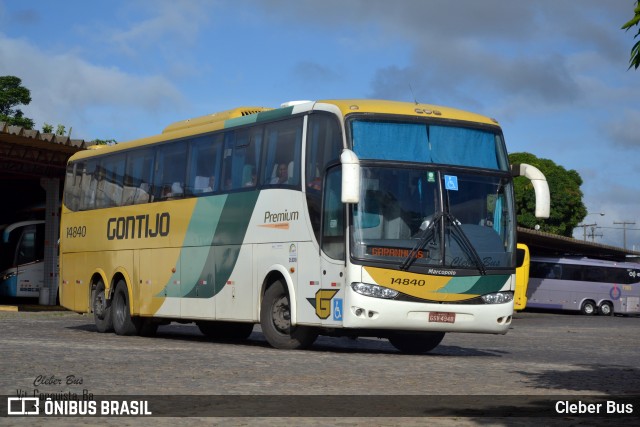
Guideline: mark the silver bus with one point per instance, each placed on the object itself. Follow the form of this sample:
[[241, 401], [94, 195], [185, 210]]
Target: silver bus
[[583, 284], [21, 259]]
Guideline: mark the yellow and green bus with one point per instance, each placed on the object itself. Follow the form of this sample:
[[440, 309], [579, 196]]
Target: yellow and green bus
[[338, 217]]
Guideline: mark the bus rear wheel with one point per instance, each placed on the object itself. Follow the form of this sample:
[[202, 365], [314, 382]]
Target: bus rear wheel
[[225, 331], [416, 343], [275, 321], [102, 309], [588, 308], [606, 309], [123, 323]]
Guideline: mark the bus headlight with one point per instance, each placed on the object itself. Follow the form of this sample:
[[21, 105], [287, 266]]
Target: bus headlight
[[497, 297], [373, 290]]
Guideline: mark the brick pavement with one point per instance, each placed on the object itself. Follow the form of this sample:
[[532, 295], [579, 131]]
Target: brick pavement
[[543, 354]]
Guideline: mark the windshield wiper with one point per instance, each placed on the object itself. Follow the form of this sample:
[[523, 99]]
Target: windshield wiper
[[424, 237], [465, 244]]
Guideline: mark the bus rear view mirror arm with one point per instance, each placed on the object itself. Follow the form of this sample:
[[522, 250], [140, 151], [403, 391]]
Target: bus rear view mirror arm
[[540, 186]]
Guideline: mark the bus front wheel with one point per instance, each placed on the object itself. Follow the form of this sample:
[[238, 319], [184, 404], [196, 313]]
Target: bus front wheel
[[275, 321], [416, 343], [123, 323], [588, 308], [102, 309], [606, 309]]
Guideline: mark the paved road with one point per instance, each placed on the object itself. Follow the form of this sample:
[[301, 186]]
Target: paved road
[[543, 354]]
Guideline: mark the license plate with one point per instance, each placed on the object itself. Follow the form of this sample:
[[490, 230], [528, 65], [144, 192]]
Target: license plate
[[442, 317]]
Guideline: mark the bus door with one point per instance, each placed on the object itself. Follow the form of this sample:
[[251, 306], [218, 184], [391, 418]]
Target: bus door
[[330, 301]]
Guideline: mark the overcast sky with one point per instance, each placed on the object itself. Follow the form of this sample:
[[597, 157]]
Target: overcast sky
[[554, 73]]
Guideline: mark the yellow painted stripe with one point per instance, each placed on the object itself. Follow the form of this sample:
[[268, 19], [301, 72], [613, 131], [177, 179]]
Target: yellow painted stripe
[[417, 285]]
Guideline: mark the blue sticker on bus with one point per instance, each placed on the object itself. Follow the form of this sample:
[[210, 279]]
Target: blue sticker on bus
[[451, 182], [337, 309]]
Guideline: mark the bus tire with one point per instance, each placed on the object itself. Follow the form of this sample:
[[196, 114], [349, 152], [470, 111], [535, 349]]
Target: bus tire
[[275, 321], [225, 331], [416, 343], [101, 307], [588, 308], [123, 323], [606, 309]]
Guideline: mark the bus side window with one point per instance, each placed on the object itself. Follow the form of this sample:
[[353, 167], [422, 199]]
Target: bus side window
[[89, 185], [138, 177], [241, 155], [170, 171], [73, 186], [203, 175], [324, 145], [247, 156], [112, 180], [283, 143]]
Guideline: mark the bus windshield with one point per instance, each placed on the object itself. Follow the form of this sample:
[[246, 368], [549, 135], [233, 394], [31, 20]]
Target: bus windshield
[[428, 143], [434, 217]]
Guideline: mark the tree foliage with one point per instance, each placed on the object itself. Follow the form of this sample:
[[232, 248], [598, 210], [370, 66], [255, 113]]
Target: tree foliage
[[567, 209], [104, 141], [60, 129], [12, 94], [634, 61]]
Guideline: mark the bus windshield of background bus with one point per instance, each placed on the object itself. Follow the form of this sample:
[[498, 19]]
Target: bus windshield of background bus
[[401, 216], [428, 143]]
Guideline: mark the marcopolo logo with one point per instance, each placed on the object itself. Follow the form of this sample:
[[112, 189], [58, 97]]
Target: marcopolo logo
[[138, 227]]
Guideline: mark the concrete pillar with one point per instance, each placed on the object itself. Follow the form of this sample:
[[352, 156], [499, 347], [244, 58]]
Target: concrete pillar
[[49, 293]]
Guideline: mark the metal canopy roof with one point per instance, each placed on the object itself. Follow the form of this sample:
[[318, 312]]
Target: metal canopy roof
[[547, 244], [30, 154]]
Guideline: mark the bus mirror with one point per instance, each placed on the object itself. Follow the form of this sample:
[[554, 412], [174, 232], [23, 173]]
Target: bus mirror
[[540, 187], [350, 177]]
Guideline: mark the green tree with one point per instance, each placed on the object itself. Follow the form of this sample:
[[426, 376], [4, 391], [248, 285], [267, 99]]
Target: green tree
[[104, 141], [634, 61], [60, 129], [567, 209], [12, 93]]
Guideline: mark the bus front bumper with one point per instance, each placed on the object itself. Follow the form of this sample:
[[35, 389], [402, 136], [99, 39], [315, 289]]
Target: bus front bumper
[[376, 313]]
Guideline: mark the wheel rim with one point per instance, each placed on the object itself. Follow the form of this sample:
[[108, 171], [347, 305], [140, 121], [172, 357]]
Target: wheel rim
[[588, 308], [281, 315], [605, 309], [99, 305]]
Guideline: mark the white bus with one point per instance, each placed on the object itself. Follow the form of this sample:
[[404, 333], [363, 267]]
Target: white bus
[[349, 217], [22, 259], [582, 284]]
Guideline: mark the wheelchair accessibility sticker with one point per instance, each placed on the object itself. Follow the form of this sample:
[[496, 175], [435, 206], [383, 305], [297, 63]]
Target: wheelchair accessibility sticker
[[451, 182], [337, 309]]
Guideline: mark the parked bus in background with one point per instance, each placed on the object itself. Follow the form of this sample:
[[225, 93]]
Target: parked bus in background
[[349, 217], [22, 259], [523, 261], [587, 285]]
